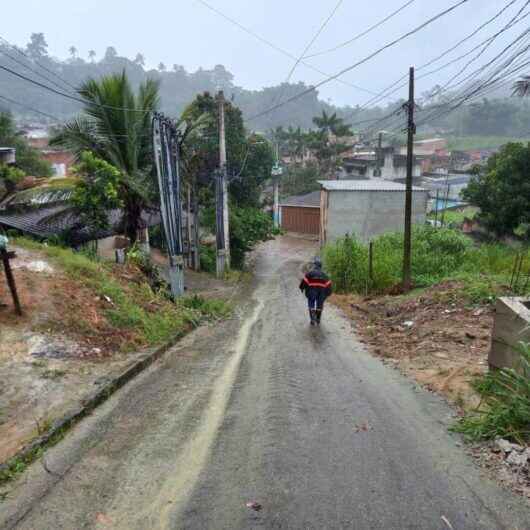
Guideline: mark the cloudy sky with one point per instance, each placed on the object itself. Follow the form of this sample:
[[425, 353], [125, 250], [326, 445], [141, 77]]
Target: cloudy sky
[[187, 32]]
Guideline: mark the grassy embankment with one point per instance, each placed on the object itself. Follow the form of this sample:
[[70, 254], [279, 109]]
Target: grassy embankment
[[129, 306], [482, 273]]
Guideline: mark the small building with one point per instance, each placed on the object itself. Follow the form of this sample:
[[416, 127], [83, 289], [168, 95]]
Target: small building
[[393, 166], [301, 214], [60, 160], [7, 155], [366, 208]]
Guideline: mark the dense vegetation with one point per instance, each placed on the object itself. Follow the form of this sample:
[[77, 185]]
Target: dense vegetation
[[502, 191], [437, 254]]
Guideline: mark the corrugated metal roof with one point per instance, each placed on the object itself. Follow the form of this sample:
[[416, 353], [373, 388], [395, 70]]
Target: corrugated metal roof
[[310, 200], [365, 185], [56, 220]]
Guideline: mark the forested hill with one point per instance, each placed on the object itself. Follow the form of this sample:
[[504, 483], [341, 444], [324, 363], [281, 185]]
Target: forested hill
[[505, 116]]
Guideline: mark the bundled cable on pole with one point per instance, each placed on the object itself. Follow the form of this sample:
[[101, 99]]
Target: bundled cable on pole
[[166, 155]]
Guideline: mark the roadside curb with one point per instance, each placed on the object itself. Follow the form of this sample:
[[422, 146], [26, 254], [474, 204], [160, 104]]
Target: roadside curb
[[33, 450]]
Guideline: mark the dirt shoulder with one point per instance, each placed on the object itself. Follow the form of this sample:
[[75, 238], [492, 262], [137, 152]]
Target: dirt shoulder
[[438, 338], [84, 324], [434, 336]]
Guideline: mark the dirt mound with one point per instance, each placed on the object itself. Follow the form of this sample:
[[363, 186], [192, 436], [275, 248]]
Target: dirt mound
[[434, 335]]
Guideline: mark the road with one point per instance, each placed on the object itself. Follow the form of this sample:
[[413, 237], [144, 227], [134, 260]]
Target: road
[[264, 408]]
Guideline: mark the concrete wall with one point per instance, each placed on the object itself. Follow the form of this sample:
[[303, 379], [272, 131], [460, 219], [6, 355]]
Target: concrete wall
[[511, 327], [370, 213]]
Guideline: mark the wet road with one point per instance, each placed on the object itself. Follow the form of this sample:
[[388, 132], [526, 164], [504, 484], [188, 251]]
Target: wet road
[[264, 408]]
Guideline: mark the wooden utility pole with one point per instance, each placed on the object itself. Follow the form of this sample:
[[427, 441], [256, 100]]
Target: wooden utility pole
[[223, 182], [407, 243], [5, 256]]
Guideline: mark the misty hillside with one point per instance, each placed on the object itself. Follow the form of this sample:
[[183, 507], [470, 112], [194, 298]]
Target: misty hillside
[[501, 114]]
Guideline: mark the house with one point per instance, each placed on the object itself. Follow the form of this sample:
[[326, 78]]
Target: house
[[301, 214], [366, 208], [7, 155], [427, 147], [393, 166], [60, 160]]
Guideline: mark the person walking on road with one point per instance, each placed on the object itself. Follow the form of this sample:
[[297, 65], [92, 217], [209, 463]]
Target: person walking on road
[[317, 287]]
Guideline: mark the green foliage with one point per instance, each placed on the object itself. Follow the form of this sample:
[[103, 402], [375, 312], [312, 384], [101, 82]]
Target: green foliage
[[436, 253], [248, 226], [505, 405], [97, 191], [28, 159], [208, 258], [502, 192], [116, 127], [11, 175]]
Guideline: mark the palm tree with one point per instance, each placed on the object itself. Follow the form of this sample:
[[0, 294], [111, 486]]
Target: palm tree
[[116, 126], [73, 51], [162, 67], [139, 60], [92, 55], [521, 88]]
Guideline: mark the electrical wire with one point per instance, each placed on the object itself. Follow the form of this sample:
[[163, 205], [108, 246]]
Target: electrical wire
[[306, 49], [36, 111], [68, 96], [364, 60], [390, 90], [21, 52], [278, 48], [364, 33]]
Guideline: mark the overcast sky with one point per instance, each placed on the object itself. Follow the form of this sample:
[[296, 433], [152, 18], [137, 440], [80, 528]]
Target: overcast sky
[[186, 32]]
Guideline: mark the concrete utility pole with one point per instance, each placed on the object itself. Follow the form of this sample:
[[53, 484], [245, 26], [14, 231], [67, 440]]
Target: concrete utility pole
[[276, 174], [378, 172], [407, 242], [225, 261]]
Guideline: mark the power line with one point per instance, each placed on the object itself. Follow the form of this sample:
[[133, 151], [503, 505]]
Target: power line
[[277, 48], [362, 61], [307, 48], [21, 52], [68, 96], [362, 34], [12, 101], [387, 92]]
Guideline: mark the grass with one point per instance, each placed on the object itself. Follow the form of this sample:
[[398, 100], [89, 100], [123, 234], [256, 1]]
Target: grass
[[505, 406], [437, 255], [455, 217], [133, 306]]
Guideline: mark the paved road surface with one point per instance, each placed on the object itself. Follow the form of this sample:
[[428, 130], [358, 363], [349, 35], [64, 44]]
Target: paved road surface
[[264, 408]]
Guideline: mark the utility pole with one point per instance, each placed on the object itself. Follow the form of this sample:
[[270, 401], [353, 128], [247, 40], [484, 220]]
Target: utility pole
[[223, 254], [378, 172], [276, 173], [166, 151], [407, 241]]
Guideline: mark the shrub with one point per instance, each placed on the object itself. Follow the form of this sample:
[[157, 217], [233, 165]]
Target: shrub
[[436, 253], [505, 406]]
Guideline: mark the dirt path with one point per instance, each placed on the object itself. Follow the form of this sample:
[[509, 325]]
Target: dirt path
[[265, 409]]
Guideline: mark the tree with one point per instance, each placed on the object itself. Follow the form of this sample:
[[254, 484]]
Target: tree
[[139, 60], [111, 53], [249, 160], [326, 143], [521, 88], [97, 191], [92, 55], [162, 67], [502, 191], [37, 47], [116, 126], [73, 51]]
